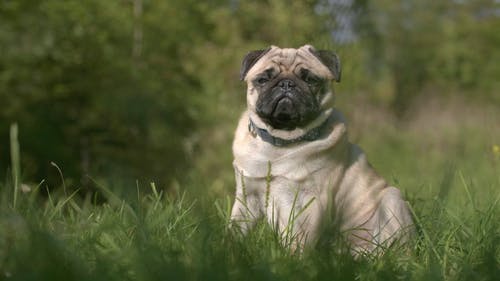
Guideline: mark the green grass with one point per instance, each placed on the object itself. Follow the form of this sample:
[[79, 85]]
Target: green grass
[[452, 181], [158, 236]]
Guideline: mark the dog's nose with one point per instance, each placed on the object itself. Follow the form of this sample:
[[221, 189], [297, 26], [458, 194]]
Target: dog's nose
[[287, 84]]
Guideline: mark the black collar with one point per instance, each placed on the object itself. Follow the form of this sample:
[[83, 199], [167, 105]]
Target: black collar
[[312, 135]]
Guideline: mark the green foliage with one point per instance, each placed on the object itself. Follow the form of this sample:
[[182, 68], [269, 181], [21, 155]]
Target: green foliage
[[81, 100], [104, 89], [430, 46], [125, 97]]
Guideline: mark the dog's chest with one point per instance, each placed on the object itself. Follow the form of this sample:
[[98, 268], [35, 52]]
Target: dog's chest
[[282, 193]]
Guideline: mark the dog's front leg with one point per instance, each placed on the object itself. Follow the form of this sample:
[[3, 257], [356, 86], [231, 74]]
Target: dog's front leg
[[246, 211], [247, 206]]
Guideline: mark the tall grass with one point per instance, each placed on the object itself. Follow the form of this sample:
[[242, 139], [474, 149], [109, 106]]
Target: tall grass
[[15, 160], [164, 236]]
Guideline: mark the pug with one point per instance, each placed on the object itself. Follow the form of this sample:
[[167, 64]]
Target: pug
[[294, 164]]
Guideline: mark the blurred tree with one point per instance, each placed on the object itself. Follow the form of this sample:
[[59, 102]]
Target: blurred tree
[[68, 77], [139, 89], [411, 32], [449, 44], [468, 52]]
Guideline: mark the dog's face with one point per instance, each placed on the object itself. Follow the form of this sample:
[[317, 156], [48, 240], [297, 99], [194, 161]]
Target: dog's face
[[288, 88]]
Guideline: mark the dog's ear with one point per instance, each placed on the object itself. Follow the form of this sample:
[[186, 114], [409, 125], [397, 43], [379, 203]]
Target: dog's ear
[[330, 60], [250, 59]]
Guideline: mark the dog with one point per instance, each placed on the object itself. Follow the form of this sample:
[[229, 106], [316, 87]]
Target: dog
[[293, 162]]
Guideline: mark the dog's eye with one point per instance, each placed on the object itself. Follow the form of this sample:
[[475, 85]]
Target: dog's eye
[[311, 80], [262, 80]]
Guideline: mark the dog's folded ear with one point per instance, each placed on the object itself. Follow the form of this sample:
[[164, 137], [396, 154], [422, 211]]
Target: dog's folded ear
[[250, 59], [330, 60]]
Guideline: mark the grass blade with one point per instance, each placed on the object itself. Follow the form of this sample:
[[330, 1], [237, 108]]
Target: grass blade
[[15, 159]]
